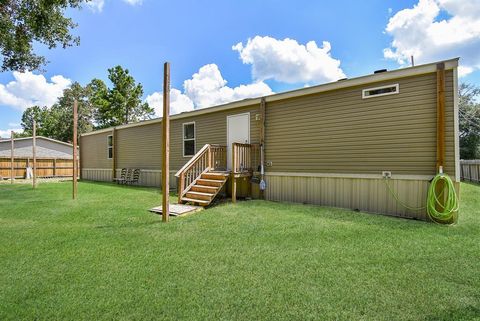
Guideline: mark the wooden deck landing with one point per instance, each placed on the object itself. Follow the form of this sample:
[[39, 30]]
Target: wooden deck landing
[[177, 209]]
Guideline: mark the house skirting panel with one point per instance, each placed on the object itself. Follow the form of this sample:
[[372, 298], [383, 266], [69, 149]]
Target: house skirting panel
[[97, 174], [366, 193], [148, 177]]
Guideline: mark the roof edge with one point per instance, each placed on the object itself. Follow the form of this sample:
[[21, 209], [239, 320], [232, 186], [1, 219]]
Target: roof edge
[[352, 82], [38, 137]]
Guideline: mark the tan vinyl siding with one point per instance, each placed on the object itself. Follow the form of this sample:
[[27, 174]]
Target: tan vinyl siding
[[209, 129], [339, 132], [140, 147], [94, 152]]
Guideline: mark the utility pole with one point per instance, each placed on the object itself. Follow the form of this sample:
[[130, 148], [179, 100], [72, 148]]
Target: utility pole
[[12, 167], [34, 154], [166, 143], [75, 168]]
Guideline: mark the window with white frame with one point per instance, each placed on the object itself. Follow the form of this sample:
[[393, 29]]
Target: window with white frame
[[188, 139], [110, 146], [380, 91]]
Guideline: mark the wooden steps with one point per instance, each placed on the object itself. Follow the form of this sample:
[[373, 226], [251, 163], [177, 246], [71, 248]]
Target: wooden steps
[[205, 188]]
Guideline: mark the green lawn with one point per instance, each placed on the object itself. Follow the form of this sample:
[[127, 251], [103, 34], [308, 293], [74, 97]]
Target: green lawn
[[105, 257]]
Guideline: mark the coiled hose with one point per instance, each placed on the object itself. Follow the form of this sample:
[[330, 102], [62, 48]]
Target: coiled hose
[[442, 203]]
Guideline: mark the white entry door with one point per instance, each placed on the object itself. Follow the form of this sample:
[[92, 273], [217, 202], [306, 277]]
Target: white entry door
[[238, 131]]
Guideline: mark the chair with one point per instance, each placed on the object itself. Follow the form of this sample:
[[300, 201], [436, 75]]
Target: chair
[[122, 178], [135, 176]]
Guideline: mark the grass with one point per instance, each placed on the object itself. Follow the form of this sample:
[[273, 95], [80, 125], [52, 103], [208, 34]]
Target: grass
[[105, 257]]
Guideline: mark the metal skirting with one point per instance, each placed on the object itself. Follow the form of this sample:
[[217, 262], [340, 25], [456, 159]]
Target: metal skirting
[[147, 177], [364, 194]]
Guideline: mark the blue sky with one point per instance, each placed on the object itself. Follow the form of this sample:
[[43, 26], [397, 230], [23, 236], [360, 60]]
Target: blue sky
[[192, 34]]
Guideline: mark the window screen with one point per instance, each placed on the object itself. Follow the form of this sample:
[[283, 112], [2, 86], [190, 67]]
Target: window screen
[[110, 146], [189, 139]]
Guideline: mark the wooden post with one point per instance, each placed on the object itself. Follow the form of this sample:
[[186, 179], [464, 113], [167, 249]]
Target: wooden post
[[75, 169], [234, 180], [440, 116], [12, 166], [54, 167], [114, 158], [181, 186], [166, 143], [34, 154]]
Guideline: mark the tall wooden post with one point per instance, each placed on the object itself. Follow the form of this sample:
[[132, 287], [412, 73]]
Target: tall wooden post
[[75, 168], [166, 143], [34, 155], [233, 178], [440, 116], [114, 154], [12, 167]]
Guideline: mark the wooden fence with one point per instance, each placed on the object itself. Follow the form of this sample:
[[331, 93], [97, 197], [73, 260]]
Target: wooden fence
[[470, 170], [45, 167]]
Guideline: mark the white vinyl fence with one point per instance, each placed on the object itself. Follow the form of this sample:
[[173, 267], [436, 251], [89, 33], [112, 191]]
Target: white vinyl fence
[[470, 170]]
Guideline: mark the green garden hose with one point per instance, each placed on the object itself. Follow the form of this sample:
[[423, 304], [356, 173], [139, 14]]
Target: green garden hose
[[442, 204]]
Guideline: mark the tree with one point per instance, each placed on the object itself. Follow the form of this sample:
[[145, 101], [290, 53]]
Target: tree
[[469, 116], [23, 22], [38, 114], [57, 121], [121, 104]]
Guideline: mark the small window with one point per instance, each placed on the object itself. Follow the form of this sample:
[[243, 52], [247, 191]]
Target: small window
[[188, 139], [380, 91], [110, 146]]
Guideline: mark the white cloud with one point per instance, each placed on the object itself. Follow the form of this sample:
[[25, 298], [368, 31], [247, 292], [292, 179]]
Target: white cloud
[[288, 61], [133, 2], [206, 88], [7, 132], [96, 5], [179, 102], [29, 89], [418, 31]]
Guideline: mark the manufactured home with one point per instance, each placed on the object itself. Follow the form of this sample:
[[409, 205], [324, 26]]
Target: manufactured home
[[336, 144]]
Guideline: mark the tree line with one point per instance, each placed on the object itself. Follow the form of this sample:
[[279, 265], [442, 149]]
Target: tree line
[[99, 106], [469, 121]]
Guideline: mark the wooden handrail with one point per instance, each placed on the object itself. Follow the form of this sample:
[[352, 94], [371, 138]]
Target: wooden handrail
[[192, 160], [209, 157], [244, 157]]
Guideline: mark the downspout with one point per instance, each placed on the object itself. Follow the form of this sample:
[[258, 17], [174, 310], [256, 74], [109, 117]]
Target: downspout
[[440, 117], [262, 148]]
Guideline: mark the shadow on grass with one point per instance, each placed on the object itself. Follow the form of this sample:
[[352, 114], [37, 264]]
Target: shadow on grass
[[474, 184], [153, 189], [461, 314], [346, 215], [128, 225]]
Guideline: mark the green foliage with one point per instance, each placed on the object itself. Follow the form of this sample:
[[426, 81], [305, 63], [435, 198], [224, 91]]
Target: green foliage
[[121, 104], [104, 257], [469, 115], [98, 107], [57, 121], [25, 22]]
